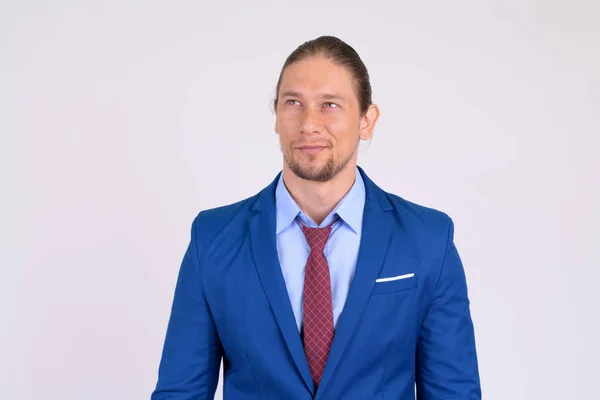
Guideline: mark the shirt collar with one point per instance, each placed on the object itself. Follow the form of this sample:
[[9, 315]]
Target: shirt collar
[[349, 209]]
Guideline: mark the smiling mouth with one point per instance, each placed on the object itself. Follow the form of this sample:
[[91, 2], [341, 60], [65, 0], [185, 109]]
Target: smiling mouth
[[311, 149]]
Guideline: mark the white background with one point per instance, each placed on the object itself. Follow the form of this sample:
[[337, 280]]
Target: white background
[[121, 120]]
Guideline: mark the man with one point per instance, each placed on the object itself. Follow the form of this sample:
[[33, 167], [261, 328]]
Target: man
[[322, 285]]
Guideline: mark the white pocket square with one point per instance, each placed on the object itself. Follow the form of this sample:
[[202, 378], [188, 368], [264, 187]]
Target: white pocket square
[[395, 278]]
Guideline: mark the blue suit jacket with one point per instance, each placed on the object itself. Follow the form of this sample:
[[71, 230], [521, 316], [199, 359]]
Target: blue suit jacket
[[231, 303]]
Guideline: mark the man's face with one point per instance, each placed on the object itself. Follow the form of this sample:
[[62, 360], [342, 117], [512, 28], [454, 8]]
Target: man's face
[[318, 119]]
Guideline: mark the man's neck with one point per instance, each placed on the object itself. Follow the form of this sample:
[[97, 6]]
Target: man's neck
[[318, 199]]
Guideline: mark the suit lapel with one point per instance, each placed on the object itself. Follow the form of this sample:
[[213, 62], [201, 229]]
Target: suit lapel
[[264, 249], [377, 224]]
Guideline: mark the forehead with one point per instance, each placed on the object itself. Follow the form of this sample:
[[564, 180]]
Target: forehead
[[316, 75]]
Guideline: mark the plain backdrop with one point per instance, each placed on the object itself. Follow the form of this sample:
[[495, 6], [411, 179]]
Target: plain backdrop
[[121, 120]]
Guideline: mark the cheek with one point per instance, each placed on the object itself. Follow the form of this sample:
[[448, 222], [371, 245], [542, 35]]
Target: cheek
[[285, 134], [285, 127], [289, 119], [343, 129], [338, 120]]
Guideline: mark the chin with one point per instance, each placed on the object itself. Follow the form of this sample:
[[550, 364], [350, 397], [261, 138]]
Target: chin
[[316, 172]]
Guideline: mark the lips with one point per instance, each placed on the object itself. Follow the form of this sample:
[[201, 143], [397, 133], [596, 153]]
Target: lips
[[311, 145], [311, 149]]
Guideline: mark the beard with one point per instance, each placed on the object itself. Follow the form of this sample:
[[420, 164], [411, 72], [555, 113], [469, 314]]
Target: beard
[[314, 171]]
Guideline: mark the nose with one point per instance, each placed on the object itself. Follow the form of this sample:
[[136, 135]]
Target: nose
[[312, 121]]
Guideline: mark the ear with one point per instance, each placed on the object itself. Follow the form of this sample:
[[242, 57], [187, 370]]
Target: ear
[[367, 122]]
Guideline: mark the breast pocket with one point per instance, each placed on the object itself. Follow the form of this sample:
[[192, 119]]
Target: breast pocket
[[395, 285]]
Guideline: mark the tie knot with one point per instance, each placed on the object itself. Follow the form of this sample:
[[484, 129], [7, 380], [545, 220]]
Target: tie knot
[[317, 237]]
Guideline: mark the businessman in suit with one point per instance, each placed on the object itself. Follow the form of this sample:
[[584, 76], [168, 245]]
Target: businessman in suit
[[322, 285]]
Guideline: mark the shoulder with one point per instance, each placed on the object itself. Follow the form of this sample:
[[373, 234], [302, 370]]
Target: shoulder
[[213, 222], [426, 233], [425, 225], [418, 214], [410, 216]]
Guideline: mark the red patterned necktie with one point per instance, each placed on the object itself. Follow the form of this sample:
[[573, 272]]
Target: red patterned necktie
[[318, 308]]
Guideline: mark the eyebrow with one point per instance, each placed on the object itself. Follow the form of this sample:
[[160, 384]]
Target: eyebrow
[[334, 96], [290, 93], [328, 96]]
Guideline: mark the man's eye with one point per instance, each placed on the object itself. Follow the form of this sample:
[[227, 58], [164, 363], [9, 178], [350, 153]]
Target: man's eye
[[292, 102], [330, 105]]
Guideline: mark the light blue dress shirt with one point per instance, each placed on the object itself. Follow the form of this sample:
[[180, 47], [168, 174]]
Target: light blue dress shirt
[[341, 250]]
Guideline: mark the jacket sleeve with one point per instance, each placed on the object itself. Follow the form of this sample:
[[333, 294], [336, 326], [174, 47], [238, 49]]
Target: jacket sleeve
[[192, 352], [446, 361]]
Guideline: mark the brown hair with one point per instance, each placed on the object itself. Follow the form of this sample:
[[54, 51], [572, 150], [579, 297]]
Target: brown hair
[[340, 53]]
